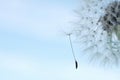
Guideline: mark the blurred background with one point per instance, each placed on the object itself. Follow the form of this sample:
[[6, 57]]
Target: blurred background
[[33, 46]]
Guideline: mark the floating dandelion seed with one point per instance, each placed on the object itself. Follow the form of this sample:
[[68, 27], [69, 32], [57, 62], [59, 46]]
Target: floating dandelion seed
[[99, 30], [76, 63]]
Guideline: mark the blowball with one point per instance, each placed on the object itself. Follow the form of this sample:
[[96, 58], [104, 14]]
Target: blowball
[[98, 30], [111, 19]]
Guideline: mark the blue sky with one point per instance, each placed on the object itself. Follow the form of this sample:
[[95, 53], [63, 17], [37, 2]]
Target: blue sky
[[33, 47]]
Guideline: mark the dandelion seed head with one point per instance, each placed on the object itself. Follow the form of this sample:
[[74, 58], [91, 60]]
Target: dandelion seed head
[[110, 20], [98, 30]]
